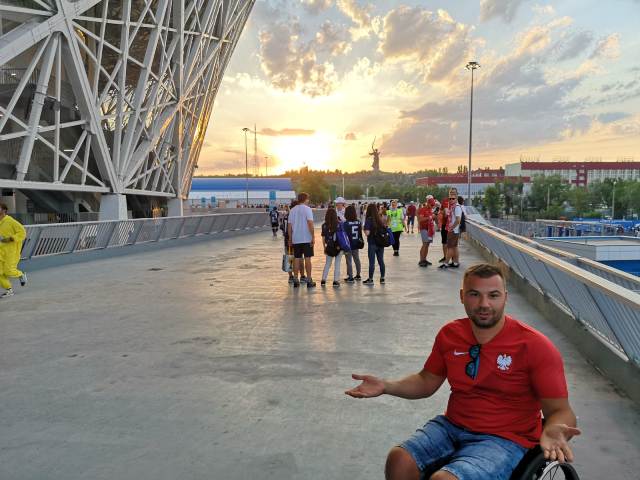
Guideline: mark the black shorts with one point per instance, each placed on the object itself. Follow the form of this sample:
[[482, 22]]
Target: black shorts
[[275, 225], [300, 249], [443, 234], [412, 220]]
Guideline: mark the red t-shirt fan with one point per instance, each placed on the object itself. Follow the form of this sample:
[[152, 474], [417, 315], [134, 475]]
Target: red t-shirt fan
[[517, 368]]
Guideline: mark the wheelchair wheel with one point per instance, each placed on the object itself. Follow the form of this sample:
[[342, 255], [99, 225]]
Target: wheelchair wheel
[[541, 469]]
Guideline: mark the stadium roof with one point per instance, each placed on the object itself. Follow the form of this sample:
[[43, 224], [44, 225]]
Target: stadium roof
[[236, 184]]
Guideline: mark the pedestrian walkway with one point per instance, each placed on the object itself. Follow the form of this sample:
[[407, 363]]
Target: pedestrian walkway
[[201, 362]]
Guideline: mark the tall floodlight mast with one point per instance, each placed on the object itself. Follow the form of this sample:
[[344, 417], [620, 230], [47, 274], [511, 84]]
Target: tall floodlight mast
[[470, 66]]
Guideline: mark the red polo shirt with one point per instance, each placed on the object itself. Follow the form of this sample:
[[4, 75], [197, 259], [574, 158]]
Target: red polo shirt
[[518, 367]]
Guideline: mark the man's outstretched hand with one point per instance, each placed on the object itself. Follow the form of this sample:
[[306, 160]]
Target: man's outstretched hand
[[555, 442], [370, 387]]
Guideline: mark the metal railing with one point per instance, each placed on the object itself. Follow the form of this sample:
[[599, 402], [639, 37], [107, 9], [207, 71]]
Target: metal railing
[[612, 274], [65, 238], [609, 310], [561, 228], [55, 239]]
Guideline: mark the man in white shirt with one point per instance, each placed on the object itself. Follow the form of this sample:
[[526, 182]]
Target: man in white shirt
[[341, 206], [452, 259], [302, 238]]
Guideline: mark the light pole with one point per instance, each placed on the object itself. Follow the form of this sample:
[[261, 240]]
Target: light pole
[[548, 197], [246, 166], [613, 201], [266, 166], [470, 66]]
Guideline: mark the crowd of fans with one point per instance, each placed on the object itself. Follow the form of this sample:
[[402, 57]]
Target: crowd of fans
[[350, 227]]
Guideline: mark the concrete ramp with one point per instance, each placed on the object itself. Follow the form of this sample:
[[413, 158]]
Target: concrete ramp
[[201, 362]]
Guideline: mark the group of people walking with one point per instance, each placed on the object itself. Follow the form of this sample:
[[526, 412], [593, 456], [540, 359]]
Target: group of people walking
[[347, 230]]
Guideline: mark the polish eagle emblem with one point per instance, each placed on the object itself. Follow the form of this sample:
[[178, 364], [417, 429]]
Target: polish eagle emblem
[[504, 362]]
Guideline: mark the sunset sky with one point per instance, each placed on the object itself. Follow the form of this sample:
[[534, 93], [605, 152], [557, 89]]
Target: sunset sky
[[322, 78]]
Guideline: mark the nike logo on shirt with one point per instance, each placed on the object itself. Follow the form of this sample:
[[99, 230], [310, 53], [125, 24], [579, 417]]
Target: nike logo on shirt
[[457, 353]]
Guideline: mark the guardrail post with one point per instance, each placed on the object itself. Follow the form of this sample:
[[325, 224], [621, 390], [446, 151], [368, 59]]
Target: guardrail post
[[195, 231], [161, 229], [34, 242], [77, 239], [180, 230], [109, 237], [137, 234]]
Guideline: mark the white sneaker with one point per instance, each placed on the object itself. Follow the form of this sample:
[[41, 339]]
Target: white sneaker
[[23, 279], [8, 293]]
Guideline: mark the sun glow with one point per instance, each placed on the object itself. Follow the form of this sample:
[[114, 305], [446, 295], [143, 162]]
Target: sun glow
[[313, 151]]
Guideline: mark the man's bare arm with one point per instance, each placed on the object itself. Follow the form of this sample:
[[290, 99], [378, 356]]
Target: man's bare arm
[[311, 229], [419, 385]]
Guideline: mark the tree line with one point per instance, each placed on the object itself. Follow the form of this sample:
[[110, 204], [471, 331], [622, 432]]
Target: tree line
[[552, 198]]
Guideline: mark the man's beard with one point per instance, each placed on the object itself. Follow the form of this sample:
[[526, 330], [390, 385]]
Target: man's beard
[[486, 322]]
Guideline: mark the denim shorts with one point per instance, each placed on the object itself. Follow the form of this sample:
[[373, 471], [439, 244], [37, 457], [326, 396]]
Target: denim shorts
[[440, 445]]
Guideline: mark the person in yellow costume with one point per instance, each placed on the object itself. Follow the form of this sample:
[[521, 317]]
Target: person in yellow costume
[[12, 234]]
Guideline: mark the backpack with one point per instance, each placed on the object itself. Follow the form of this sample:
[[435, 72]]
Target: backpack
[[383, 237], [343, 239], [463, 222], [333, 248]]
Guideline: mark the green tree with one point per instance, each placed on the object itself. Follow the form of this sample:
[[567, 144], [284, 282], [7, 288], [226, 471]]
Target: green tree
[[492, 201], [511, 192], [315, 185], [551, 189], [632, 194], [578, 198], [353, 192]]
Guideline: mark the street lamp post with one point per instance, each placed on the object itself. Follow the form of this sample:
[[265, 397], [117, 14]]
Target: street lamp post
[[470, 66], [246, 167], [548, 197], [613, 201]]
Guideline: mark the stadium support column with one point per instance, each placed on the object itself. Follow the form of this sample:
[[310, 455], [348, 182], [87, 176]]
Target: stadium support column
[[175, 207], [113, 207]]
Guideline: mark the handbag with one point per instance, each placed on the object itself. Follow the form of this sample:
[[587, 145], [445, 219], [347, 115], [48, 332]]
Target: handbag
[[287, 261]]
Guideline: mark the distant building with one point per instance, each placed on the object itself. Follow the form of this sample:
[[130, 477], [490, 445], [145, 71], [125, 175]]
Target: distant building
[[577, 173], [232, 192], [480, 180]]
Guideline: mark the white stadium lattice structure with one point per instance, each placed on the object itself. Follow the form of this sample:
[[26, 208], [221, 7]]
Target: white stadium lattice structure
[[104, 101]]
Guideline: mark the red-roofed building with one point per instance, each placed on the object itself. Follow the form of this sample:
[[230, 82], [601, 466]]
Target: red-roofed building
[[480, 180], [577, 173]]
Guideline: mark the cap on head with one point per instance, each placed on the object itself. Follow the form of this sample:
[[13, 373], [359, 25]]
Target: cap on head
[[340, 200]]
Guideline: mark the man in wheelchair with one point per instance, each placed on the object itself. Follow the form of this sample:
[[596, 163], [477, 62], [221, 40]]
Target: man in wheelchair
[[502, 374]]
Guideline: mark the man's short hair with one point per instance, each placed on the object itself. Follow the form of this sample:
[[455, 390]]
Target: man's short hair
[[3, 206], [485, 270], [302, 197]]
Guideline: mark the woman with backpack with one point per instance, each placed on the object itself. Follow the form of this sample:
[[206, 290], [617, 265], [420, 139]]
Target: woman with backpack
[[331, 247], [353, 228], [377, 235]]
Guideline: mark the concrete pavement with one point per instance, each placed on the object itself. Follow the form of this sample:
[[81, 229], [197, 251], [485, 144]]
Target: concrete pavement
[[201, 362]]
